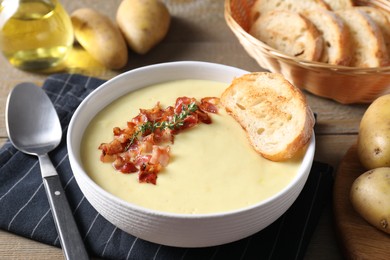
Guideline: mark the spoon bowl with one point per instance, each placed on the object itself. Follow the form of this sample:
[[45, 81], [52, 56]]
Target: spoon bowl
[[34, 131], [34, 128]]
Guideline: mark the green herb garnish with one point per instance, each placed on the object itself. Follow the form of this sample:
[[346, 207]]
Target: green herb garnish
[[176, 122]]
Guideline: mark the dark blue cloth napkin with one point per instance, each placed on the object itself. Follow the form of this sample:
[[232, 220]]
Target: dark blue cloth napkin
[[25, 209]]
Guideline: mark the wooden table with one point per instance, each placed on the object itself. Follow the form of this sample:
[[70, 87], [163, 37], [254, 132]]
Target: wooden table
[[198, 32]]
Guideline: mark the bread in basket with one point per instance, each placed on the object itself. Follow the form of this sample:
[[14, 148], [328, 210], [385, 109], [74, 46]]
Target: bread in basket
[[344, 84]]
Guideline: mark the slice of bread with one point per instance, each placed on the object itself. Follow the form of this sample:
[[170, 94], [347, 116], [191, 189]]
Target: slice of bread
[[339, 4], [274, 113], [336, 48], [260, 7], [381, 19], [290, 33], [367, 42]]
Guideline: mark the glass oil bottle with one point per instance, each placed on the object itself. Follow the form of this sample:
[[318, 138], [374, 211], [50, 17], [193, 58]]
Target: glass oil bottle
[[35, 34]]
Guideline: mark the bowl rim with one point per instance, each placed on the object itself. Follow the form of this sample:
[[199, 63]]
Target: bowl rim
[[76, 164], [235, 26]]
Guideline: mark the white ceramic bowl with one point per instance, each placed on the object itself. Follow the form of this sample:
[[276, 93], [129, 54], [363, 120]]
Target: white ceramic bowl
[[182, 230]]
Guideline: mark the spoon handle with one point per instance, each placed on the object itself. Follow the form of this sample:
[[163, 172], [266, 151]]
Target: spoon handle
[[70, 239]]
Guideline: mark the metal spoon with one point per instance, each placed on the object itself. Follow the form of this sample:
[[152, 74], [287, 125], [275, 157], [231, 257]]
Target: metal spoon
[[34, 128]]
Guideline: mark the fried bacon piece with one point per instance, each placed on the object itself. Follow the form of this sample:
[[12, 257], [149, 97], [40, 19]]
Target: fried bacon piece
[[148, 173], [140, 146], [209, 104], [160, 155]]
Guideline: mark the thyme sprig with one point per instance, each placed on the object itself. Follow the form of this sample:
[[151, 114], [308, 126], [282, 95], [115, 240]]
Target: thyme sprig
[[176, 122]]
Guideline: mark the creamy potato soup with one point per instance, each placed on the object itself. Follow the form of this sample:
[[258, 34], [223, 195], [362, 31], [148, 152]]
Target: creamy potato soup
[[212, 167]]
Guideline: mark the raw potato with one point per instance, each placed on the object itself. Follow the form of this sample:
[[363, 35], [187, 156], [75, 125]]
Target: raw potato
[[370, 197], [144, 23], [100, 37], [374, 134]]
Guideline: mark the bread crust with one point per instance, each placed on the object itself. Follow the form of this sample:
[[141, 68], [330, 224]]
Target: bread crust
[[336, 49], [367, 42], [381, 19], [339, 4], [274, 114]]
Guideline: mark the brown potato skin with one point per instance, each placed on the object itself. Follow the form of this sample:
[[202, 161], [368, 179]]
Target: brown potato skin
[[100, 37], [370, 197], [144, 23], [374, 134]]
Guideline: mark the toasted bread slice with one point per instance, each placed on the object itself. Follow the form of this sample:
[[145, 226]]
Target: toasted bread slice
[[339, 4], [273, 112], [260, 7], [381, 19], [290, 33], [368, 45], [336, 48]]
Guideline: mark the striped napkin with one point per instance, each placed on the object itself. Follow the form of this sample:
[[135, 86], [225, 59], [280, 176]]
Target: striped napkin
[[24, 209]]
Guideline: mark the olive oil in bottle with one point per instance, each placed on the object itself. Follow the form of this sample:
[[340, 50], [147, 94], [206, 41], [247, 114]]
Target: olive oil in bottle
[[34, 34]]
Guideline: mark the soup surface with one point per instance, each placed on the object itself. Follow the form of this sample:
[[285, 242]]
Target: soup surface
[[212, 168]]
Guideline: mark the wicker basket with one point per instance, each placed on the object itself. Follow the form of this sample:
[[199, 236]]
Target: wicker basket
[[346, 85]]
